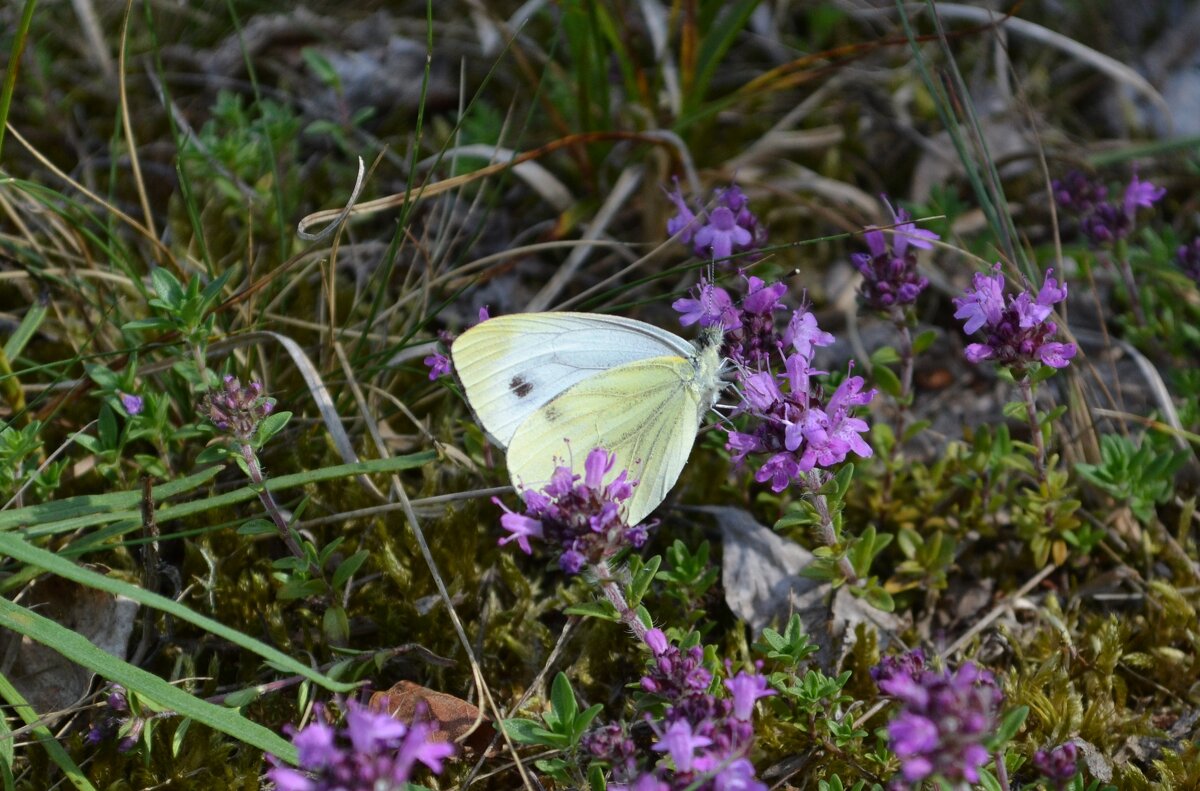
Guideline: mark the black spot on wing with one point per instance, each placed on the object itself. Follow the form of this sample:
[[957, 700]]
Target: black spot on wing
[[520, 386]]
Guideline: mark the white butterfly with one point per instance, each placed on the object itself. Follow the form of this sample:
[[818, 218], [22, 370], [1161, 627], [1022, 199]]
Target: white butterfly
[[549, 386]]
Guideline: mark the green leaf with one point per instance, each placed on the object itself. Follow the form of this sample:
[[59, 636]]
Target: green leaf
[[158, 692], [584, 719], [107, 429], [596, 777], [335, 625], [523, 731], [212, 292], [884, 356], [257, 527], [562, 700], [923, 341], [594, 609], [144, 325], [877, 597], [887, 380], [178, 736], [645, 576], [1015, 410], [989, 781], [1012, 722], [299, 589], [347, 568], [915, 428], [167, 287], [270, 426]]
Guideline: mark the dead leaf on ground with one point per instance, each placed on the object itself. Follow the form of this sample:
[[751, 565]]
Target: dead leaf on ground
[[761, 572], [47, 679], [455, 717]]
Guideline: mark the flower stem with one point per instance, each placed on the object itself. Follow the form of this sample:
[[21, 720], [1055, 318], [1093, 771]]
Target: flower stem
[[826, 531], [1039, 443], [272, 508], [612, 592], [1001, 771], [907, 359], [1135, 296]]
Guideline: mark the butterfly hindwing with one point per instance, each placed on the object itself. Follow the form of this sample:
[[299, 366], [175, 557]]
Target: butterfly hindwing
[[646, 412], [512, 366]]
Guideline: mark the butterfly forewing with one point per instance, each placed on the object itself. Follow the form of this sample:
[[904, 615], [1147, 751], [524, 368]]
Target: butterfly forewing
[[512, 366], [646, 412]]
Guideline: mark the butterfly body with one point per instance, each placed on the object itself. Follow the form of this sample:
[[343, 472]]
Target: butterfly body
[[552, 386]]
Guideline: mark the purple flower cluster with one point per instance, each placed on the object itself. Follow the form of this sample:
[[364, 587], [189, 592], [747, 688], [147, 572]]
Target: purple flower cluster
[[1102, 221], [439, 364], [1017, 332], [235, 409], [945, 717], [374, 752], [889, 269], [582, 515], [1057, 765], [793, 420], [117, 719], [1188, 259], [727, 228], [704, 740]]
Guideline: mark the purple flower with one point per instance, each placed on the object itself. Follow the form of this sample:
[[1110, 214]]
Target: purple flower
[[795, 426], [738, 776], [712, 307], [1187, 257], [681, 744], [1017, 334], [745, 689], [237, 410], [521, 527], [131, 403], [372, 751], [581, 517], [316, 746], [722, 235], [803, 334], [1078, 193], [984, 304], [1141, 194], [889, 272], [684, 222], [762, 299], [727, 228], [1104, 222], [945, 719], [1057, 765], [438, 364]]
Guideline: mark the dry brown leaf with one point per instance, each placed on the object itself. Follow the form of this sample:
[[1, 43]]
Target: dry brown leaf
[[455, 717], [47, 679]]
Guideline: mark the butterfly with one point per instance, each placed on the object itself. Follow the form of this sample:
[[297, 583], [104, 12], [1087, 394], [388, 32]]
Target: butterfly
[[546, 386]]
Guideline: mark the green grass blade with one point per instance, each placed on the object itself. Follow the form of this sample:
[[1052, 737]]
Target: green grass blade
[[90, 510], [30, 322], [80, 650], [19, 549], [717, 41], [14, 62], [45, 738]]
